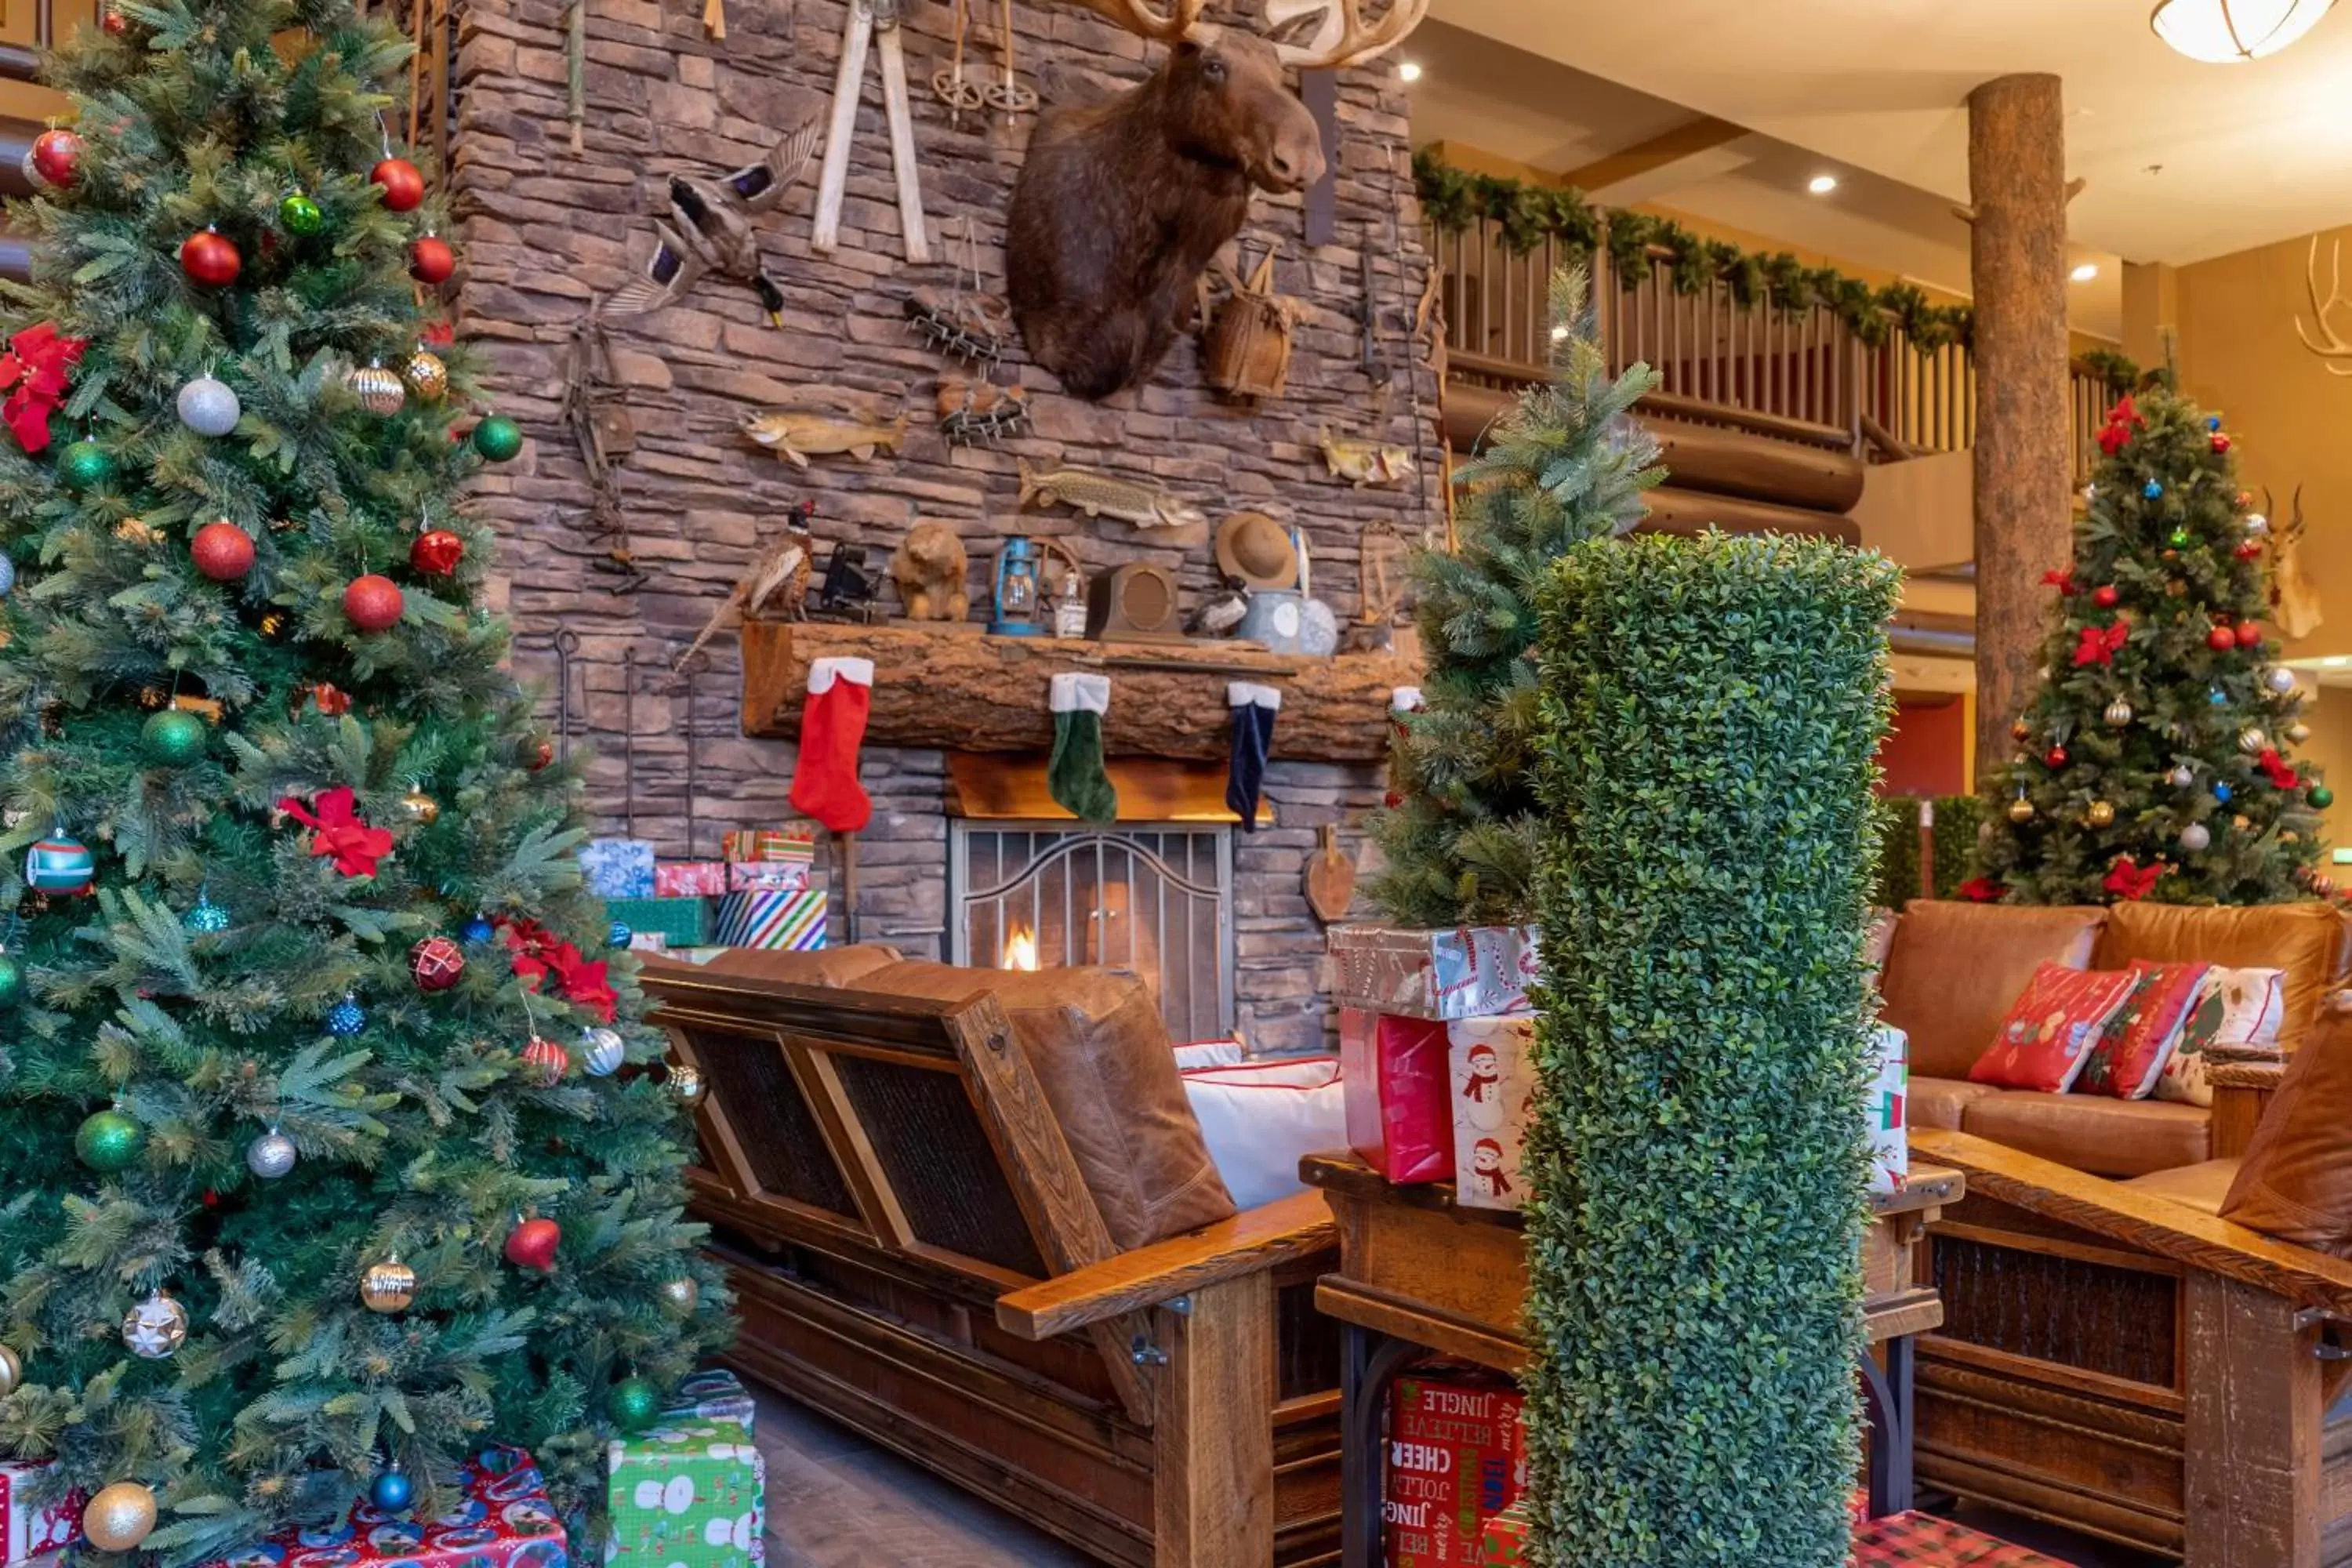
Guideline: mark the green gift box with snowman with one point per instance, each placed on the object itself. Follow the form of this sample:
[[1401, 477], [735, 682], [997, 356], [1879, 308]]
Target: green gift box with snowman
[[688, 1492]]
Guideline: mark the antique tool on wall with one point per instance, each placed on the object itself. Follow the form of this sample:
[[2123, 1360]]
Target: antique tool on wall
[[949, 84], [596, 407], [964, 323], [567, 644], [778, 580], [1330, 879], [851, 583], [972, 411], [1008, 96], [797, 434], [1102, 495], [871, 23], [710, 231], [1367, 316]]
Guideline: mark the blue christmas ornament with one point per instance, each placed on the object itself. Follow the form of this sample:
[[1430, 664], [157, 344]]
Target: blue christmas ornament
[[391, 1491], [475, 932], [2212, 422], [207, 916], [619, 936], [59, 865], [2218, 698], [7, 576], [346, 1017], [2221, 793], [2154, 489]]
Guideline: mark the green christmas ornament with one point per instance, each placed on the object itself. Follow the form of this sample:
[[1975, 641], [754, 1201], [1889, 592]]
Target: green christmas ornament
[[299, 215], [2180, 538], [85, 466], [498, 439], [633, 1404], [12, 980], [2320, 798], [173, 738], [108, 1141]]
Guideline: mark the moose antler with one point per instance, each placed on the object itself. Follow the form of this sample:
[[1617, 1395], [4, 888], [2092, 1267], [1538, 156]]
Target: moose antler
[[2329, 345], [1142, 18], [1356, 42]]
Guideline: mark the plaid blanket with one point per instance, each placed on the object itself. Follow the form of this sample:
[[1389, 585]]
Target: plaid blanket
[[1923, 1539]]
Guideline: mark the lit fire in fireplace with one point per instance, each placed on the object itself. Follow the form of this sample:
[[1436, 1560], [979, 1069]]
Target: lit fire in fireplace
[[1020, 950]]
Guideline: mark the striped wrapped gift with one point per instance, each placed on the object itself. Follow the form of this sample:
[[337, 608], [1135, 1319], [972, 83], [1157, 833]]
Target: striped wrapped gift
[[794, 922]]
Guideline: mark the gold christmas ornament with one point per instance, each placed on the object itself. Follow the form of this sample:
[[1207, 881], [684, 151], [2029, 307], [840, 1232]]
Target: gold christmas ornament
[[2298, 732], [2119, 713], [2020, 732], [273, 624], [2020, 811], [2101, 814], [2252, 740], [420, 808], [120, 1518], [2240, 823], [12, 1371], [379, 391], [427, 376], [681, 1295], [388, 1287], [686, 1083]]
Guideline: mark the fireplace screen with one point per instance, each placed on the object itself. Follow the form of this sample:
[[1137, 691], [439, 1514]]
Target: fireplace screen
[[1156, 901]]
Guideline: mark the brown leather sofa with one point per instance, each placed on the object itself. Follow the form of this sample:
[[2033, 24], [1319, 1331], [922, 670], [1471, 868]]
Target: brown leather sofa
[[1953, 970]]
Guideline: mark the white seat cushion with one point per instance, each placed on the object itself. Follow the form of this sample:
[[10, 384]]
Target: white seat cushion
[[1260, 1119]]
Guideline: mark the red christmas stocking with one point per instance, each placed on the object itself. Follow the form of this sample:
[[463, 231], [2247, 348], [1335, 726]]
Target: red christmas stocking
[[833, 728]]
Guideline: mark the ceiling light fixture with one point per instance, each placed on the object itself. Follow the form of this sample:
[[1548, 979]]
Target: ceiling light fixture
[[1822, 184], [2224, 32], [2085, 272], [1408, 70]]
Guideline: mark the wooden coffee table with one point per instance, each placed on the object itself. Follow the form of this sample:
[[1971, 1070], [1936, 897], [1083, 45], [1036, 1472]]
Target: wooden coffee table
[[1419, 1273]]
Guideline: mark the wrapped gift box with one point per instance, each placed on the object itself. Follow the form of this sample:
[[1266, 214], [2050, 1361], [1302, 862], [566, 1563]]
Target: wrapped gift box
[[1491, 1066], [691, 1492], [1394, 1083], [1505, 1542], [793, 922], [1475, 972], [689, 879], [1457, 1460], [769, 877], [681, 922], [501, 1519], [649, 941], [1888, 1108], [793, 845], [34, 1530], [618, 867]]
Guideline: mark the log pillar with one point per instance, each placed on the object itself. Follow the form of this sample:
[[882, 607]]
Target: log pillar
[[2024, 469]]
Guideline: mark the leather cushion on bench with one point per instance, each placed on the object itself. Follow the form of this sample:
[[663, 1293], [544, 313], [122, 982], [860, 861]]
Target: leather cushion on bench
[[2092, 1132], [1943, 1101], [2199, 1187], [2303, 940], [1955, 968], [2295, 1181], [1095, 1039], [831, 967]]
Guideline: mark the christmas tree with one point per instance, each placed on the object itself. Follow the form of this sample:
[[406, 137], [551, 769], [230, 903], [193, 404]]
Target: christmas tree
[[332, 1152], [2155, 759], [1569, 463]]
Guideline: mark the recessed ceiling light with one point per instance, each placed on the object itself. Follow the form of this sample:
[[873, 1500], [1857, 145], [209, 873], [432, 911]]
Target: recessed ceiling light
[[1822, 184], [2085, 272], [1409, 71]]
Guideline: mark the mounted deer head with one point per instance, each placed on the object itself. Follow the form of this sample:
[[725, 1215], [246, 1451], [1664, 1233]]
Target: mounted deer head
[[2294, 603], [2322, 338], [1123, 205]]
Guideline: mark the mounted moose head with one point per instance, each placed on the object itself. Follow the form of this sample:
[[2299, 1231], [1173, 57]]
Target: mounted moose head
[[1123, 205]]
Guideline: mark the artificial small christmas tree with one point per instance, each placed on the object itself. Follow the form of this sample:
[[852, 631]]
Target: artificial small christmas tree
[[1571, 463], [2155, 761], [330, 1153]]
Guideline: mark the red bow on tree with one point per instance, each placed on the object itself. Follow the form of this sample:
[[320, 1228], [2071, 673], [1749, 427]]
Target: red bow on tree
[[338, 831], [2062, 580], [2129, 882], [35, 366], [1982, 890], [438, 334], [540, 953], [2283, 776], [2123, 419], [2099, 646]]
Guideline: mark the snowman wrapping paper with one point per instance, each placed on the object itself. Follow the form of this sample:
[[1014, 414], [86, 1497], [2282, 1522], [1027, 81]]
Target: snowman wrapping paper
[[689, 1492], [1490, 1063]]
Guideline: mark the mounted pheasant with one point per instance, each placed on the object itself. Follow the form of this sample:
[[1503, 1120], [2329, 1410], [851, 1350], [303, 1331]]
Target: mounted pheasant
[[1123, 205]]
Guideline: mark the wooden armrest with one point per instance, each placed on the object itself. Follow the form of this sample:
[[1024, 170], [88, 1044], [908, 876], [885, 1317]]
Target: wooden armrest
[[1281, 1232], [2142, 1220], [2263, 1075]]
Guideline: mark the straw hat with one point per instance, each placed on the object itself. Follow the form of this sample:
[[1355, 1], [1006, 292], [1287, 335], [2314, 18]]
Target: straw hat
[[1256, 551]]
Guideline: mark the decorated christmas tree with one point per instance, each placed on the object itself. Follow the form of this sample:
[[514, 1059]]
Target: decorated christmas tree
[[1569, 463], [2155, 761], [332, 1150]]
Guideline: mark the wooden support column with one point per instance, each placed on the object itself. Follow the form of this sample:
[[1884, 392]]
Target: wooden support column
[[2254, 1429], [2016, 182], [1213, 1499]]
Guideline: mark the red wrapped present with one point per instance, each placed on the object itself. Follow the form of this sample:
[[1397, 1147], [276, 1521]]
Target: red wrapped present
[[689, 879], [1505, 1542], [794, 845], [1399, 1094], [501, 1519], [31, 1530], [1457, 1460], [1923, 1539]]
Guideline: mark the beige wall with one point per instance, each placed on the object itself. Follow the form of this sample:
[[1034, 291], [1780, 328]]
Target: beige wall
[[2292, 419]]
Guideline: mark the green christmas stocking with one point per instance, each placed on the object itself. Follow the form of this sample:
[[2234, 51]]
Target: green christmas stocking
[[1076, 775]]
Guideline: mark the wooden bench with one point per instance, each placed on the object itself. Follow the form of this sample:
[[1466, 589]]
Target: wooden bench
[[914, 1253]]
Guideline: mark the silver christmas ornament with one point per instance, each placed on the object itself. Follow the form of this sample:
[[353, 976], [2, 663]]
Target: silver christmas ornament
[[602, 1051], [7, 576], [681, 1295], [2298, 731], [272, 1156], [2119, 713], [379, 390], [2281, 680], [32, 172], [2257, 524], [2252, 740], [2180, 777], [209, 406], [2194, 837], [155, 1327]]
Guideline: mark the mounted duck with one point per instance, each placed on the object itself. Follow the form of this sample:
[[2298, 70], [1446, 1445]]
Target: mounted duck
[[709, 230]]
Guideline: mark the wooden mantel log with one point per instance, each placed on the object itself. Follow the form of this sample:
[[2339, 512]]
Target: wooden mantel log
[[955, 691]]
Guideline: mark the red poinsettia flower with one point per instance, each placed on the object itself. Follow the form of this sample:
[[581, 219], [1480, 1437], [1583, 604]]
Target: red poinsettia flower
[[2280, 774], [1983, 890], [34, 369], [541, 954], [2099, 644], [2122, 422], [2129, 882], [338, 832], [2062, 580]]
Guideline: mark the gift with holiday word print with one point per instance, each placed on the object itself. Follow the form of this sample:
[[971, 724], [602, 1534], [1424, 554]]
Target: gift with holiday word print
[[1457, 1457], [1491, 1063], [1472, 972], [499, 1517], [689, 879], [683, 922], [688, 1492], [791, 921], [791, 845], [32, 1528], [618, 867], [1887, 1109]]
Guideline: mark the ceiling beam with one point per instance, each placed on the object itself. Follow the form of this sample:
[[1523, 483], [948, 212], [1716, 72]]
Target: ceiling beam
[[1697, 149]]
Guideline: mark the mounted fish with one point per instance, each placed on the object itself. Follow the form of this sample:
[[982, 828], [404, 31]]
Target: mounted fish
[[1366, 463], [778, 579], [797, 434], [1122, 205], [972, 411], [1168, 519], [1247, 354], [710, 231]]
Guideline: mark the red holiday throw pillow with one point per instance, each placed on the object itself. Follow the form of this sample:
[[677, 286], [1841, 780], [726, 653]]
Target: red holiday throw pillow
[[2130, 1057], [2052, 1027]]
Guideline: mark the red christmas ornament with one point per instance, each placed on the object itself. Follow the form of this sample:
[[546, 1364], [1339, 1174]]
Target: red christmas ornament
[[547, 1060], [211, 1195], [532, 1244], [2221, 442], [404, 188], [372, 602], [2055, 756], [115, 23], [223, 551], [436, 552], [2248, 551], [436, 963], [431, 261], [331, 700], [58, 155], [2105, 595], [210, 259], [2220, 639], [541, 754], [2249, 634]]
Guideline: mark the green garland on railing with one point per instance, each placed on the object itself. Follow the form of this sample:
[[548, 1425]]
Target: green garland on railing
[[1526, 215]]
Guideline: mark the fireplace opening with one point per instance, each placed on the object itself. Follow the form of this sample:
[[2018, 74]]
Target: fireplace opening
[[1155, 900]]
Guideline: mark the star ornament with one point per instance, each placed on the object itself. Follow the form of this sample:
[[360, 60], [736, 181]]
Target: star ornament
[[338, 832]]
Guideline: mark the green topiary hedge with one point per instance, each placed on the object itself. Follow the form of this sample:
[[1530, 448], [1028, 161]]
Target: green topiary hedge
[[1711, 710]]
